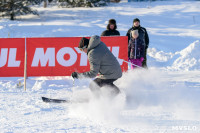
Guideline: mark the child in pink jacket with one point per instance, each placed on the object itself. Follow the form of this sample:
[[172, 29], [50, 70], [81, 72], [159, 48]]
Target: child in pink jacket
[[136, 49]]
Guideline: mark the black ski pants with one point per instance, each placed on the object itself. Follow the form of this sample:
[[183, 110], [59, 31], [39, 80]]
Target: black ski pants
[[97, 83], [144, 63]]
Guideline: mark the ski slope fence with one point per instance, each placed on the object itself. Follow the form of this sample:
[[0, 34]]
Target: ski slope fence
[[52, 56]]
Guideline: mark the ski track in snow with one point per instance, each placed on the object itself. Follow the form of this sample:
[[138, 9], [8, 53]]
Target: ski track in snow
[[164, 98]]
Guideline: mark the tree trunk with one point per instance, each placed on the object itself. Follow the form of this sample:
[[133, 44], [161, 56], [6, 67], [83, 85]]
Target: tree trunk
[[12, 16], [45, 3]]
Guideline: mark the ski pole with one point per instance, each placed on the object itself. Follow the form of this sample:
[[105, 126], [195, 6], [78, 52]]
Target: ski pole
[[130, 63], [73, 81], [133, 64], [76, 70]]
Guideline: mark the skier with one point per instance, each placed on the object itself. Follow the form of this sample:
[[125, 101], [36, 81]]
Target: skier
[[142, 35], [111, 29], [102, 62], [136, 49]]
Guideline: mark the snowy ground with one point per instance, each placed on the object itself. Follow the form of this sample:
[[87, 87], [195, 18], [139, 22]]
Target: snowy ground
[[164, 98]]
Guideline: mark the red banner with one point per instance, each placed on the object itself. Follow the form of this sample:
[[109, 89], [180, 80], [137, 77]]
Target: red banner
[[61, 57], [12, 57]]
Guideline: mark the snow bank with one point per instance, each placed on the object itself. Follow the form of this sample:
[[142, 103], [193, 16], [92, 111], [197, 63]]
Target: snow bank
[[159, 56], [187, 59]]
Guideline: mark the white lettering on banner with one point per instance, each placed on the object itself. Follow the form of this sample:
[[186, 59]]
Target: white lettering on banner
[[49, 56], [115, 51], [44, 58], [12, 58], [62, 52], [83, 59], [3, 56], [12, 62]]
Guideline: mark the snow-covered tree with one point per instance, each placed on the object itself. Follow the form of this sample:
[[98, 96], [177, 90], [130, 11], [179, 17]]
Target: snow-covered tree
[[82, 3], [15, 8]]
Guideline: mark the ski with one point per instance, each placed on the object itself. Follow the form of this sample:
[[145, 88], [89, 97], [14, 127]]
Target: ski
[[50, 100]]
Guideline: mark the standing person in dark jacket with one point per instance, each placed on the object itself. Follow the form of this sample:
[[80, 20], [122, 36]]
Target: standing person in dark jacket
[[143, 35], [102, 62], [111, 29]]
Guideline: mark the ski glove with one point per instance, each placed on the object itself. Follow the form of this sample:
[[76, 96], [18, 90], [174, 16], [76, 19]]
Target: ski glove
[[75, 75]]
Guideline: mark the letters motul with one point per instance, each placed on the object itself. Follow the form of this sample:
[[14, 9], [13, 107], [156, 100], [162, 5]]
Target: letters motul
[[49, 57], [12, 52], [11, 57]]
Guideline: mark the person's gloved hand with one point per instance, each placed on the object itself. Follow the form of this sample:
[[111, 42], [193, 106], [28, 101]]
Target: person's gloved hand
[[74, 75]]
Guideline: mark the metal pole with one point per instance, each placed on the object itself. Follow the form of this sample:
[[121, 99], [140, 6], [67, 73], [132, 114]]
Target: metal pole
[[133, 64], [130, 63], [73, 81]]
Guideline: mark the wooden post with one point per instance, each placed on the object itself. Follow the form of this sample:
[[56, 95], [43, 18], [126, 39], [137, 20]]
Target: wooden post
[[25, 66]]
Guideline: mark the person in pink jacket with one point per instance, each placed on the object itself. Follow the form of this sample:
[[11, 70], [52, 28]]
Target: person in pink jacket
[[136, 50]]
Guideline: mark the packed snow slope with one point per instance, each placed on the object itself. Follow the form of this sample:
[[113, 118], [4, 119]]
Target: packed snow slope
[[164, 98]]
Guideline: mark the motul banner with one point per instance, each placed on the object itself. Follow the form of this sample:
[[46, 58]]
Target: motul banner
[[12, 51], [52, 56], [61, 56]]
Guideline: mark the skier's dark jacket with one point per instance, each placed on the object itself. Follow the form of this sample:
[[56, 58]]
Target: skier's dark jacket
[[142, 35], [102, 61]]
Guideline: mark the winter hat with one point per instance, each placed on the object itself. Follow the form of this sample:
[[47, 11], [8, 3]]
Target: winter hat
[[112, 21], [136, 20], [83, 43]]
